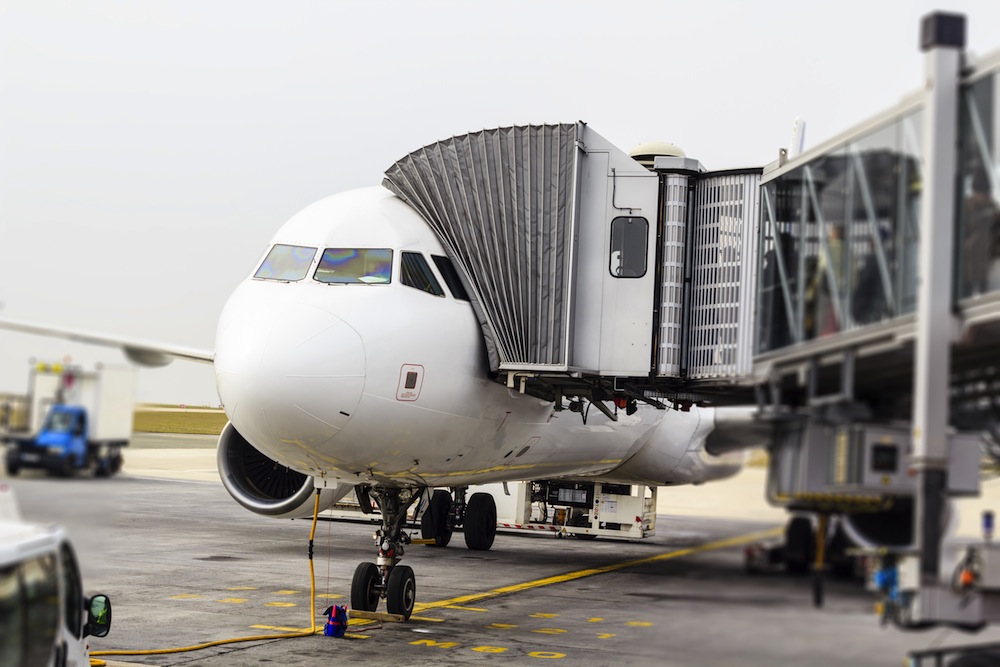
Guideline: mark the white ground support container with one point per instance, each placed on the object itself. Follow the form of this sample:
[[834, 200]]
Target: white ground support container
[[576, 508], [106, 393]]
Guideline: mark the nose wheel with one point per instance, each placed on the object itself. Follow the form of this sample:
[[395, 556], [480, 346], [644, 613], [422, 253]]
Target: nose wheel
[[385, 578]]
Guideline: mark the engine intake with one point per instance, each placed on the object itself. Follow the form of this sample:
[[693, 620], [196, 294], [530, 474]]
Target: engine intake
[[263, 485]]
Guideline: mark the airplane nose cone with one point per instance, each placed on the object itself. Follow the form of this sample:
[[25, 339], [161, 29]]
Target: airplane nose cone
[[292, 373]]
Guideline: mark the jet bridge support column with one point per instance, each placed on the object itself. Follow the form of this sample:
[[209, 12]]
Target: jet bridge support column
[[942, 40]]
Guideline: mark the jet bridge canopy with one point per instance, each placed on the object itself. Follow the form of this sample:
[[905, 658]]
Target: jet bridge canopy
[[591, 274]]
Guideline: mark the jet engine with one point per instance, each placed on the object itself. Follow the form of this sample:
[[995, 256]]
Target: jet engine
[[266, 487]]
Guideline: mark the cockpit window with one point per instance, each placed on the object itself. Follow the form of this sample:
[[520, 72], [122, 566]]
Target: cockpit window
[[414, 271], [450, 276], [286, 262], [354, 265]]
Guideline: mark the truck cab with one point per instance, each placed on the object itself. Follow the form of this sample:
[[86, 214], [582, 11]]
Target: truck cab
[[63, 438]]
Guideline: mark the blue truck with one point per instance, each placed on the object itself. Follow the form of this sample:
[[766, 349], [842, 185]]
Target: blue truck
[[82, 425]]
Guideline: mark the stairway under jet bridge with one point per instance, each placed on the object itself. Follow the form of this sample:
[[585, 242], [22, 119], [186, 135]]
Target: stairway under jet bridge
[[592, 275]]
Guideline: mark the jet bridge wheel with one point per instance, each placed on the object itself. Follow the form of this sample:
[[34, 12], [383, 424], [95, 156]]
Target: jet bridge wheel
[[401, 591], [480, 522], [434, 522], [799, 544], [364, 587]]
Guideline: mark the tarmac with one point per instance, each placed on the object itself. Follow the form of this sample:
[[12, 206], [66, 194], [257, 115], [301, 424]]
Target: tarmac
[[185, 565]]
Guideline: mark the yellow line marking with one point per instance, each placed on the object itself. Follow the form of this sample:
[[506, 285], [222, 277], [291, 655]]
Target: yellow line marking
[[427, 618], [455, 606], [242, 588], [543, 615], [606, 635], [186, 596], [233, 600], [329, 596], [580, 574], [279, 604], [549, 631], [594, 620], [286, 592], [354, 635], [501, 626], [639, 624]]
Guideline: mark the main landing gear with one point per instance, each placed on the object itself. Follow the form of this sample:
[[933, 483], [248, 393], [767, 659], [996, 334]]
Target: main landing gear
[[478, 517], [385, 578]]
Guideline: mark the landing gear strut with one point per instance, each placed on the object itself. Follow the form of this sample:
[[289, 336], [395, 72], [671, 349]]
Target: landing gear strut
[[384, 578]]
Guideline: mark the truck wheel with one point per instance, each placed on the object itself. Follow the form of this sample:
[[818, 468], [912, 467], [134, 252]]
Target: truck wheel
[[116, 464], [65, 468], [102, 468], [13, 467]]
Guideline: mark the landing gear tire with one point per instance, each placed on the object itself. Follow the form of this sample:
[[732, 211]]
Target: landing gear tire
[[401, 591], [364, 587], [799, 541], [480, 522], [434, 522]]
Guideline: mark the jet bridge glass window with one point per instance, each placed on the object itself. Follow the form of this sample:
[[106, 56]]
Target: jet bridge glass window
[[450, 276], [345, 266], [414, 271], [286, 262], [629, 237]]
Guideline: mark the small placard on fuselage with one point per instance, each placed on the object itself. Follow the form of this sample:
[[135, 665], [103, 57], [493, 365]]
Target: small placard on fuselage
[[411, 378]]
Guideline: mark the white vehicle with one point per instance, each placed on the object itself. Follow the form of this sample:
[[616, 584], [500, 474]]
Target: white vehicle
[[44, 617], [351, 358]]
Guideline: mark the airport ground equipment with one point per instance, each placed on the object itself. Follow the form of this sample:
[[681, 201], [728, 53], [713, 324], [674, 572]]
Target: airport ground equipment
[[584, 510], [79, 420], [560, 508]]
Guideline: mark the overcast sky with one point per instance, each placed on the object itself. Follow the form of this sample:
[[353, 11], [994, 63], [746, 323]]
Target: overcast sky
[[149, 150]]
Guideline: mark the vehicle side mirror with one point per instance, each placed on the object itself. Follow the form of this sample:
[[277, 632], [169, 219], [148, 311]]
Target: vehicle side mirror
[[98, 616]]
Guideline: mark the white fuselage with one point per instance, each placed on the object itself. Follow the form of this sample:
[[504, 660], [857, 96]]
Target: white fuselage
[[386, 383]]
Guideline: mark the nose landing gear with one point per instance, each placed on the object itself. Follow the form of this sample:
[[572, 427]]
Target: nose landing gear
[[384, 578]]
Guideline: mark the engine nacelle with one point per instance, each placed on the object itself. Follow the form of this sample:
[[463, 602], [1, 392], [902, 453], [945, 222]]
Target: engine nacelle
[[266, 487]]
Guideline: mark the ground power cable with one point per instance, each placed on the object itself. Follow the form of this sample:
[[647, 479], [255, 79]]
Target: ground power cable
[[220, 642]]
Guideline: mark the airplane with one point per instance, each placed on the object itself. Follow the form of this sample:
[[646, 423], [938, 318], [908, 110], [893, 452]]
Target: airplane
[[350, 358]]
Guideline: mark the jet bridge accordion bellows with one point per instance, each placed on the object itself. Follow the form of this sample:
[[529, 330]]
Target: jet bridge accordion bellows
[[578, 258], [502, 201]]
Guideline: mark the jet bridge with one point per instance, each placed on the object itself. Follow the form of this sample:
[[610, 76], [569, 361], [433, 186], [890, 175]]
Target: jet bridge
[[853, 292], [592, 275], [876, 357]]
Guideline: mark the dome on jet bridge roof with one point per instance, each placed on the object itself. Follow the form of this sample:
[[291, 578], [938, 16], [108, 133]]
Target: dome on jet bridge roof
[[646, 152]]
